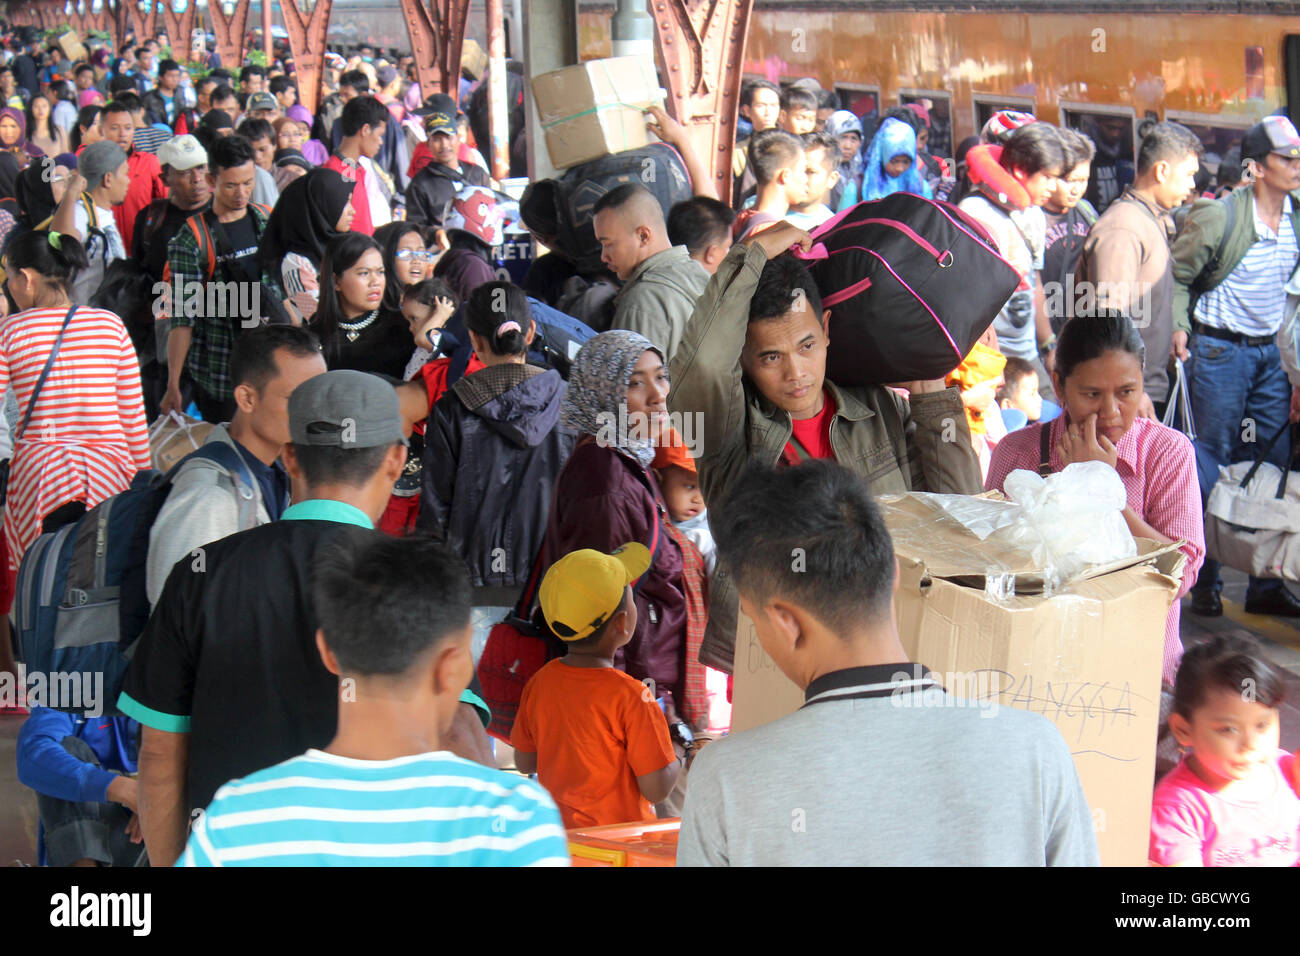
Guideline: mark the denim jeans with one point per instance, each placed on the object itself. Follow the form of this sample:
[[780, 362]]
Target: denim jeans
[[79, 831], [1240, 398]]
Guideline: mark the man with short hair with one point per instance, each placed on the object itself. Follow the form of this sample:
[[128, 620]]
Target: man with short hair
[[203, 94], [752, 369], [225, 678], [83, 77], [821, 155], [205, 504], [660, 280], [432, 189], [223, 98], [185, 171], [251, 79], [778, 164], [1231, 264], [261, 136], [1069, 218], [117, 124], [103, 178], [891, 771], [219, 244], [285, 93], [148, 136], [352, 84], [160, 104], [362, 127], [703, 225], [760, 104], [1126, 255], [144, 69]]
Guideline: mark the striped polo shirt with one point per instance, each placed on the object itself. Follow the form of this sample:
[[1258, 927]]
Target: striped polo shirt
[[433, 809], [1252, 298]]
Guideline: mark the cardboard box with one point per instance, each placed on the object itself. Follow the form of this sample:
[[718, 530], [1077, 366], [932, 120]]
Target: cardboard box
[[596, 108], [1088, 658], [72, 47], [173, 437]]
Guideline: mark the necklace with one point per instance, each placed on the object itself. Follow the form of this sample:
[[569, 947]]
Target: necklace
[[354, 329]]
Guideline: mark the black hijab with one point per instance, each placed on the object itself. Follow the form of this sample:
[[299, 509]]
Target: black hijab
[[305, 216], [9, 173], [34, 195]]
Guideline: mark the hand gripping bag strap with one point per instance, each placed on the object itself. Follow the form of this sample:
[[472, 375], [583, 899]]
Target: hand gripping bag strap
[[45, 373], [1045, 449], [1180, 403]]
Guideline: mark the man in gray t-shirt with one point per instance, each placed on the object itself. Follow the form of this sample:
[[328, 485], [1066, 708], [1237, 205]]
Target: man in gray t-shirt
[[880, 767]]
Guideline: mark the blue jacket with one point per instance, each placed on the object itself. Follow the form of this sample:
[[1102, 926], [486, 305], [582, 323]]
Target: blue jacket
[[47, 768]]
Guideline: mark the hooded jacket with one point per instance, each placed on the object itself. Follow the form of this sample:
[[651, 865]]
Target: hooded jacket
[[434, 187], [491, 458]]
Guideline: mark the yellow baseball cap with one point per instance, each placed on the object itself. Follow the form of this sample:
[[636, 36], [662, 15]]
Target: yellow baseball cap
[[583, 589]]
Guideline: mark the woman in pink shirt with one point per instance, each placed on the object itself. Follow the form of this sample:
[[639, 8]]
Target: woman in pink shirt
[[1098, 376], [1232, 799]]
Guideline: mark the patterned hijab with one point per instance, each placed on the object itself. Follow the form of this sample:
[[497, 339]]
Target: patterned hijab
[[598, 387]]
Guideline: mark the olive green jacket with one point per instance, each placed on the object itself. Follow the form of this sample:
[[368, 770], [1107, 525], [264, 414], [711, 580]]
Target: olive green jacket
[[1199, 238], [898, 446]]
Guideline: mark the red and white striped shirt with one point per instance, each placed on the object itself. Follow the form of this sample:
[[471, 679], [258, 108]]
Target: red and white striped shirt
[[1158, 468], [87, 437]]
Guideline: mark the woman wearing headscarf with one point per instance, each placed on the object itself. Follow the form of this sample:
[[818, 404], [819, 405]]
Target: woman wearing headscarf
[[890, 166], [313, 210], [847, 130], [13, 136], [312, 149], [607, 494]]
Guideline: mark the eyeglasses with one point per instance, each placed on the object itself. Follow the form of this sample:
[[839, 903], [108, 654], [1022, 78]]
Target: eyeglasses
[[401, 255]]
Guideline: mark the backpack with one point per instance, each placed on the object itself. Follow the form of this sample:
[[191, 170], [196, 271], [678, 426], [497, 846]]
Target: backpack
[[558, 339], [658, 167], [911, 284], [1204, 280], [1089, 213], [80, 603]]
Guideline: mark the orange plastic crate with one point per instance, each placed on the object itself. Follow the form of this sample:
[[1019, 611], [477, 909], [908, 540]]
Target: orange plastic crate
[[626, 844]]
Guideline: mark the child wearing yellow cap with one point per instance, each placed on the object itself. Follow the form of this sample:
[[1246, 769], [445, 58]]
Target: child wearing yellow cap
[[594, 736]]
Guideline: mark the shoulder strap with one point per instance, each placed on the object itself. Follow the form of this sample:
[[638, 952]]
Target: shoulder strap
[[219, 456], [1202, 281], [799, 449], [199, 226], [1045, 449], [1087, 211], [45, 373]]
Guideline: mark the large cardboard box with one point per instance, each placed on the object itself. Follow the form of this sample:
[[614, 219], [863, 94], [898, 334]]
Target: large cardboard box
[[1088, 658], [71, 45], [596, 108]]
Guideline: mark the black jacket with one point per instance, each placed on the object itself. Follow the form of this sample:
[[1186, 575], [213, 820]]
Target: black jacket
[[431, 191], [492, 453], [154, 107]]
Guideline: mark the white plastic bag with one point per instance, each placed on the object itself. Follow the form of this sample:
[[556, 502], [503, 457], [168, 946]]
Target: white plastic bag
[[1071, 520]]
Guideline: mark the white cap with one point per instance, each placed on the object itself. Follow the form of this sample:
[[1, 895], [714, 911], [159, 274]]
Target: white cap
[[182, 152]]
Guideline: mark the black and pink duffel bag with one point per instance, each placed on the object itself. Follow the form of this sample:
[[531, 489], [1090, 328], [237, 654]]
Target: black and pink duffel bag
[[911, 284]]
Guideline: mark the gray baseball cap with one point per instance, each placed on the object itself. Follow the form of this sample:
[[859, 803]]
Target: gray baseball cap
[[262, 101], [98, 160], [345, 409]]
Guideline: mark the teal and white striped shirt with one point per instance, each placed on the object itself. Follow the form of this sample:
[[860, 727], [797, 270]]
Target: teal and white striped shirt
[[432, 809]]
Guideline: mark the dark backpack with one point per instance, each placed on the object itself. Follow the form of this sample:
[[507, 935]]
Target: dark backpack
[[558, 339], [911, 283], [658, 167], [80, 600]]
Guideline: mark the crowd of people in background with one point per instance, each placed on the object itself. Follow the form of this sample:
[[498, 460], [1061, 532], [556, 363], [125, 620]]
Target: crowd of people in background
[[403, 457]]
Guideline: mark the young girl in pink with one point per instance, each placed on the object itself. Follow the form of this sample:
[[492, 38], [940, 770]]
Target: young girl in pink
[[1232, 800]]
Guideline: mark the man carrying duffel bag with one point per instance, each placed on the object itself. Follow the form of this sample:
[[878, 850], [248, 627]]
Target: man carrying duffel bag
[[1252, 519], [752, 369]]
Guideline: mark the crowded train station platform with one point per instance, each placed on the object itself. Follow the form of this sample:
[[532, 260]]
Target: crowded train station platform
[[746, 434]]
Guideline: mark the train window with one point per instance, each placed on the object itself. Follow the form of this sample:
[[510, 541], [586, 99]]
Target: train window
[[939, 106], [1217, 134], [987, 105], [1111, 130], [1254, 72], [862, 101]]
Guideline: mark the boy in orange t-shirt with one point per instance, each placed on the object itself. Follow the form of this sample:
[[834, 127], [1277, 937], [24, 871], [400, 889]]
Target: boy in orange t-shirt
[[594, 736]]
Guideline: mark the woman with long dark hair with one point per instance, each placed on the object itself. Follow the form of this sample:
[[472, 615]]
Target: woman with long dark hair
[[41, 130], [313, 211], [86, 129], [354, 331]]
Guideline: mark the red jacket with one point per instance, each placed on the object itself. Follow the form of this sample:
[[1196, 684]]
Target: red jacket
[[146, 186]]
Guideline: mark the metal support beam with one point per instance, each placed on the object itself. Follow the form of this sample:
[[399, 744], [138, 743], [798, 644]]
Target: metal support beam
[[145, 23], [229, 32], [498, 155], [700, 47], [437, 29], [179, 27], [307, 43]]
